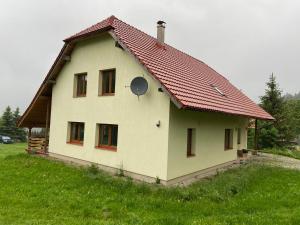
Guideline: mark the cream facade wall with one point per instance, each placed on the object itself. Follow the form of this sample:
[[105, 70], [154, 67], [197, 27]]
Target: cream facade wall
[[209, 140], [142, 146]]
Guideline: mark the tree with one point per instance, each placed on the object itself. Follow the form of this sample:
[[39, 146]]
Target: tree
[[289, 96], [273, 103], [19, 133], [292, 112], [281, 131], [268, 137], [7, 126]]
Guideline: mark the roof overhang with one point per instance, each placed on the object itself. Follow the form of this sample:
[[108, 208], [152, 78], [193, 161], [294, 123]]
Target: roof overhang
[[35, 114], [81, 37], [228, 113]]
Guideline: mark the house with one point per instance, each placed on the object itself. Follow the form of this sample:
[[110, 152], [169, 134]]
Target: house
[[190, 121]]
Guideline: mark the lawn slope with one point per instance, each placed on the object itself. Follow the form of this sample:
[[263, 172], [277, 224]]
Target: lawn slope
[[35, 190]]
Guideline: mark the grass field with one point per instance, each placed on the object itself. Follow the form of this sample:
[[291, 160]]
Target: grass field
[[35, 190]]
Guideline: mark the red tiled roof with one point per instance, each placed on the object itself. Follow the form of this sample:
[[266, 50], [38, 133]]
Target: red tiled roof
[[188, 80]]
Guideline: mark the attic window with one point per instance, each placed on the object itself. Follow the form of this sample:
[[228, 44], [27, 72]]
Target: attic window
[[107, 82], [218, 90]]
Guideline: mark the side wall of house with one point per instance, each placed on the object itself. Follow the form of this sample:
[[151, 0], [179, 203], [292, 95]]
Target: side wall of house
[[209, 140], [142, 146]]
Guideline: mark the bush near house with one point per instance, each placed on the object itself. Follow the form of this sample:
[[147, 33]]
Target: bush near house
[[35, 190]]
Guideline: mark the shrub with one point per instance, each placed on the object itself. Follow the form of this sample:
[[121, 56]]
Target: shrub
[[93, 169], [157, 180]]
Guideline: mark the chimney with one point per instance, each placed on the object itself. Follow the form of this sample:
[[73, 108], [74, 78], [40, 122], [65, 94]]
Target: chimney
[[161, 32]]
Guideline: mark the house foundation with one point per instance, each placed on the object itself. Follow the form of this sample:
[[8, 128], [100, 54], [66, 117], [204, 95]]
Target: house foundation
[[182, 180]]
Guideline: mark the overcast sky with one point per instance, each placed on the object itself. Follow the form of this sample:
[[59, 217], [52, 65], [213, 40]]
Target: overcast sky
[[243, 40]]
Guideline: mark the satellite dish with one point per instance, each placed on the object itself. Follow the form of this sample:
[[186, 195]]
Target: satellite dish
[[139, 86]]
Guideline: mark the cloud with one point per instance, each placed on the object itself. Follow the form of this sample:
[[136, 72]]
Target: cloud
[[243, 40]]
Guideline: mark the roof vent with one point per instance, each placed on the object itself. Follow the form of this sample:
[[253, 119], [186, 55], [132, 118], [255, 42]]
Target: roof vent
[[218, 90], [161, 32]]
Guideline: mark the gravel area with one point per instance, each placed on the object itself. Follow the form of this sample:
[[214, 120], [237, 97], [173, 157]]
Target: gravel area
[[260, 158], [277, 160]]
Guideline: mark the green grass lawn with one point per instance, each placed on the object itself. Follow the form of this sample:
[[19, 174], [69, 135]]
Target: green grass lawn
[[11, 149], [35, 190]]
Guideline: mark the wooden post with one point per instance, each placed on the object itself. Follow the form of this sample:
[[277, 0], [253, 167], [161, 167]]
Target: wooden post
[[29, 137], [47, 126], [256, 136]]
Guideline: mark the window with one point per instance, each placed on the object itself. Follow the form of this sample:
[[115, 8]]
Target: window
[[80, 85], [76, 133], [239, 133], [107, 82], [108, 136], [228, 139], [190, 151]]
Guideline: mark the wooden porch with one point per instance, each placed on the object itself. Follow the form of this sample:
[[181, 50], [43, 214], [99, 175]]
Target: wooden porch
[[37, 121]]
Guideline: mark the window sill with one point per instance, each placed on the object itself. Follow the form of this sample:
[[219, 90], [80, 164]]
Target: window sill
[[74, 143], [108, 148], [228, 149], [106, 94], [79, 96], [190, 156]]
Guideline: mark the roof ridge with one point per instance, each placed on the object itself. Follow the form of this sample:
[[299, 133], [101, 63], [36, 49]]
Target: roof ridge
[[110, 20], [136, 28]]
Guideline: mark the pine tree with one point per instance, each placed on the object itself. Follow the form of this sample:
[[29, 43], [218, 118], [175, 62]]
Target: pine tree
[[272, 101], [19, 133], [279, 132], [292, 113], [7, 126]]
